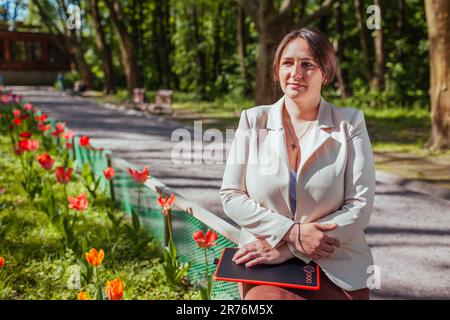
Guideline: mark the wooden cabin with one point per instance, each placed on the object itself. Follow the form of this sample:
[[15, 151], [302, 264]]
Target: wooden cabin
[[30, 58]]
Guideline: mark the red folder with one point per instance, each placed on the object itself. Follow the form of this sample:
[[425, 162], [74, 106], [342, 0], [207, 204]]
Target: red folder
[[293, 273]]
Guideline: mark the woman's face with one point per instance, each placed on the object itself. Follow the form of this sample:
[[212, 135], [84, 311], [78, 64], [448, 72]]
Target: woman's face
[[300, 76]]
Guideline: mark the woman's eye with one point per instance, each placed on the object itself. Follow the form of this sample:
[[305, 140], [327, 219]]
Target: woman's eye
[[287, 63], [307, 65]]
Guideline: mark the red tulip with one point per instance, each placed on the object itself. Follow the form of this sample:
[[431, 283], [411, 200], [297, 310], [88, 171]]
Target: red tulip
[[16, 113], [60, 127], [79, 203], [19, 151], [29, 145], [84, 141], [166, 203], [109, 173], [28, 107], [63, 176], [139, 176], [45, 160], [25, 135], [42, 127], [41, 118], [2, 262], [69, 135], [17, 121], [205, 242]]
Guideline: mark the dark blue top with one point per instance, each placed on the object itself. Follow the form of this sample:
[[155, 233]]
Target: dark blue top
[[292, 191]]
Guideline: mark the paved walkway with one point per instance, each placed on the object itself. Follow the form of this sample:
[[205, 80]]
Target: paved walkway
[[409, 232]]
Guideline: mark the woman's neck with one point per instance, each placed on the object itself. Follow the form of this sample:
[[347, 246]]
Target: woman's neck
[[302, 111]]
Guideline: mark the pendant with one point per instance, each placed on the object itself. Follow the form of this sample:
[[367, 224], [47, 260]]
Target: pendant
[[293, 146]]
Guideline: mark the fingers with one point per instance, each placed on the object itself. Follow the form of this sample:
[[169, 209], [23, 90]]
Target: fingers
[[249, 256], [326, 226], [332, 241], [254, 262], [242, 252], [327, 248]]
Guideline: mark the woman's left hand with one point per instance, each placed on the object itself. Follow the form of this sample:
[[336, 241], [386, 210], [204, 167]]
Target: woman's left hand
[[261, 252]]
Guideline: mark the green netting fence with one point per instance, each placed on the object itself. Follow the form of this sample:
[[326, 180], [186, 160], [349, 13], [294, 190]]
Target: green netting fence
[[127, 193]]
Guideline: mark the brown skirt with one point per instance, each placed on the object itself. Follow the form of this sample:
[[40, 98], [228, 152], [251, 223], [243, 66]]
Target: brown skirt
[[328, 291]]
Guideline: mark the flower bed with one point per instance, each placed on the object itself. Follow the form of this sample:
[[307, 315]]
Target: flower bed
[[53, 220]]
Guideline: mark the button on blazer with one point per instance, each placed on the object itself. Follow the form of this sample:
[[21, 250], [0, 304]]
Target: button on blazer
[[335, 184]]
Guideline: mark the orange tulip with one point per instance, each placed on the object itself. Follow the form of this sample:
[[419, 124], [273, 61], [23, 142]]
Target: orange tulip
[[94, 257], [114, 289], [139, 176], [109, 173], [166, 203], [83, 295], [79, 203], [2, 262], [205, 242]]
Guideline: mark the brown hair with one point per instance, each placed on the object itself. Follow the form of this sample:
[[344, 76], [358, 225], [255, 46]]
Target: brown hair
[[321, 48]]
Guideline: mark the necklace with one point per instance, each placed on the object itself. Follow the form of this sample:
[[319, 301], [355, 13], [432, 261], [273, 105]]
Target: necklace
[[294, 137]]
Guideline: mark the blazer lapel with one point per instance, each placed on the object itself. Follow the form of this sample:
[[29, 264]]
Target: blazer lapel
[[275, 125], [317, 137]]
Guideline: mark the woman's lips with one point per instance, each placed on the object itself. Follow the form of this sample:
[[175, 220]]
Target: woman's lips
[[296, 85]]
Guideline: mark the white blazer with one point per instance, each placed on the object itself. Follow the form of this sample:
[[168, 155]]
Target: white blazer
[[335, 183]]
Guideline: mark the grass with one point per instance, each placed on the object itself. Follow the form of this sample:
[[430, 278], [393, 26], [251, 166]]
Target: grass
[[398, 134], [39, 267]]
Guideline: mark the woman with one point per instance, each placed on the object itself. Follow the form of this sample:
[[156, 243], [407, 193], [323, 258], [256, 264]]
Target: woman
[[300, 178]]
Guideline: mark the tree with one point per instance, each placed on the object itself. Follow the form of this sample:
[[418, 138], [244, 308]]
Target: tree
[[126, 44], [73, 39], [378, 79], [102, 46], [272, 24], [438, 13]]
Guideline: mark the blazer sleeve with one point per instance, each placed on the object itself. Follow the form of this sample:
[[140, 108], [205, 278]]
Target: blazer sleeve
[[249, 214], [354, 215]]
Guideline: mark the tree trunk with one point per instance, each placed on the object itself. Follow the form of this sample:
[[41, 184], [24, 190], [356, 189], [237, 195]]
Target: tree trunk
[[217, 55], [127, 50], [201, 57], [102, 46], [272, 25], [378, 80], [242, 48], [337, 44], [438, 13], [363, 39]]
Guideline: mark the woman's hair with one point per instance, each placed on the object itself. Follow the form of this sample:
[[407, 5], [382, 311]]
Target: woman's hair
[[321, 48]]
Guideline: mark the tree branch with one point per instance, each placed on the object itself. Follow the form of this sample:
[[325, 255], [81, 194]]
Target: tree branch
[[323, 10], [251, 8]]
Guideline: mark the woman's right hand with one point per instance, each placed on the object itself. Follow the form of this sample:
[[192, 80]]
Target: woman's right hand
[[314, 242]]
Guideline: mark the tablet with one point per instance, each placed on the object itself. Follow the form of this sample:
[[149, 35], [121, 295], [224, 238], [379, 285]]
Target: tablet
[[293, 273]]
